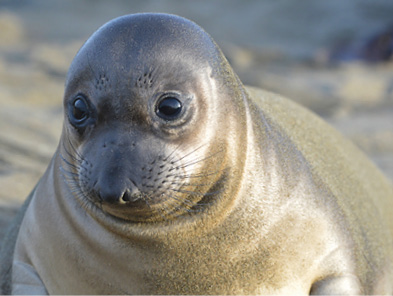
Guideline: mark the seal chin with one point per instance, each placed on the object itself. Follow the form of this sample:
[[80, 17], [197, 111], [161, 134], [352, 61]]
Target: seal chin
[[136, 211], [140, 209]]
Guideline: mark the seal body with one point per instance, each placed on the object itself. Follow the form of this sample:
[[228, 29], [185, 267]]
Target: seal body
[[171, 177]]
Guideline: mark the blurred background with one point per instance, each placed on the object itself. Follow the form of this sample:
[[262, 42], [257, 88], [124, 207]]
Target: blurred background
[[335, 57]]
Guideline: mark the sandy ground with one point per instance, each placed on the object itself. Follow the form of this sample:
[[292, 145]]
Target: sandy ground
[[277, 45]]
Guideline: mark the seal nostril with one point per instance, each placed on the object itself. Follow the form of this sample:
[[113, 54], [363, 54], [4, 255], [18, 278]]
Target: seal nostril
[[111, 194], [125, 197]]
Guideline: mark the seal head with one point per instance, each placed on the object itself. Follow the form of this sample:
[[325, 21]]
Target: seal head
[[145, 143]]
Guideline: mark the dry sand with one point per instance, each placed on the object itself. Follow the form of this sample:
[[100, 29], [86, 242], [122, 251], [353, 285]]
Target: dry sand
[[270, 45]]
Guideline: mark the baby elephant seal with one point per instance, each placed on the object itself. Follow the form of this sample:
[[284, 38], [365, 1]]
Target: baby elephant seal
[[171, 177]]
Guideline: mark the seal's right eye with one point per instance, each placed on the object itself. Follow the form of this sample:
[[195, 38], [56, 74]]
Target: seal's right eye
[[79, 111]]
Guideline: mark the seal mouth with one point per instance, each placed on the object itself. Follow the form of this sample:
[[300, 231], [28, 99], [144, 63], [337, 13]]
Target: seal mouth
[[141, 211], [146, 209], [164, 207]]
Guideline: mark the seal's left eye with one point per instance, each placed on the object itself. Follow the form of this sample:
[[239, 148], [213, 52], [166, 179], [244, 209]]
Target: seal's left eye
[[169, 108]]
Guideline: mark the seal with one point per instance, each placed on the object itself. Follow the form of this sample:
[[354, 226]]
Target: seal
[[171, 177]]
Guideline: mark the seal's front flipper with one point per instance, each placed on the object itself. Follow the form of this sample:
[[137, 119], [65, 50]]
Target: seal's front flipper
[[26, 280], [337, 285]]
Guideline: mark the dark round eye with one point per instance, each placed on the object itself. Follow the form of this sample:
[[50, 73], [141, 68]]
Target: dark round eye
[[79, 110], [169, 108]]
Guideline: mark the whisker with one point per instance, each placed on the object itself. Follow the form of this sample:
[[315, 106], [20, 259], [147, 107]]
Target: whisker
[[201, 175], [68, 172], [71, 178], [71, 182], [218, 182], [191, 207], [184, 156], [196, 193], [160, 211], [186, 201], [198, 160], [71, 155], [192, 185], [67, 162], [75, 150], [166, 158]]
